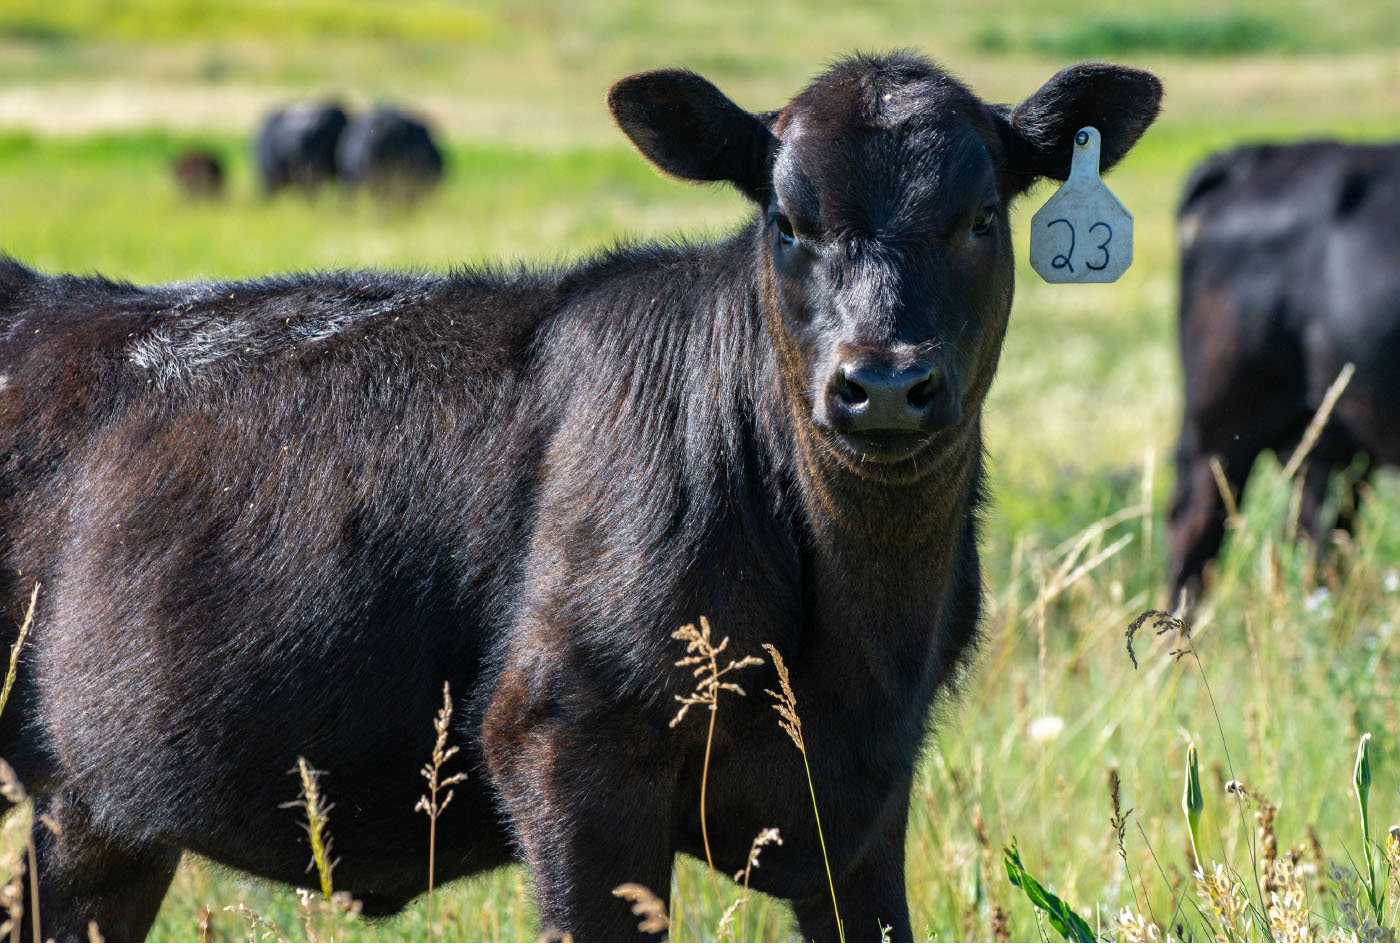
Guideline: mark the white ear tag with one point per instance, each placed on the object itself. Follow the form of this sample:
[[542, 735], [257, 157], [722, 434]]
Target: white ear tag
[[1082, 234]]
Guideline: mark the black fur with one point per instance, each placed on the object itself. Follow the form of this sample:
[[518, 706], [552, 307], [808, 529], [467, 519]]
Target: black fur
[[271, 518], [1290, 269]]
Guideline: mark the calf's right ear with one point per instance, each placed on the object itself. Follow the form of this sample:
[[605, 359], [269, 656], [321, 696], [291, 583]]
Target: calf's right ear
[[690, 130]]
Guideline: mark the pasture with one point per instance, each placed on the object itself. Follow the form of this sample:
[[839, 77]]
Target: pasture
[[97, 99]]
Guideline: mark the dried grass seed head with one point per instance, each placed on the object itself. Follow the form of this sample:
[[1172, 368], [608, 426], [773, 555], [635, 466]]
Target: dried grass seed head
[[1227, 902], [317, 813], [727, 919], [786, 703], [1132, 928], [432, 771], [10, 787], [645, 905], [1162, 622], [766, 837], [703, 659]]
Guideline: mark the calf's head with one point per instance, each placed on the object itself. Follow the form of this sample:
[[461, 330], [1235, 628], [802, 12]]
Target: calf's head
[[886, 252]]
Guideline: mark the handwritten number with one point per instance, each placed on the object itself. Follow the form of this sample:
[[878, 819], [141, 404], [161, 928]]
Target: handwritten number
[[1061, 261], [1102, 247]]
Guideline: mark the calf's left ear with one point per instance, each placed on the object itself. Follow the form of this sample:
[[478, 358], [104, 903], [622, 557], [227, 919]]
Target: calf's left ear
[[1039, 133], [689, 129]]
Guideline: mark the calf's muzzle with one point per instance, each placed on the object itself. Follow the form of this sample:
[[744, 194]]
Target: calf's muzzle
[[870, 397]]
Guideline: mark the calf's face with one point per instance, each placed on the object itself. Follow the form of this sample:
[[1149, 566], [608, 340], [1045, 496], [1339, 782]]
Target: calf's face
[[886, 251]]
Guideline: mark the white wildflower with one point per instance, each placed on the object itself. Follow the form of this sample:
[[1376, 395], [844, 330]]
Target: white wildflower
[[1045, 728]]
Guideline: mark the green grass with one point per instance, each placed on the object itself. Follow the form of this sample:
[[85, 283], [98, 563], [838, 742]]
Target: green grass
[[96, 98], [1230, 33], [500, 203], [719, 32], [295, 22]]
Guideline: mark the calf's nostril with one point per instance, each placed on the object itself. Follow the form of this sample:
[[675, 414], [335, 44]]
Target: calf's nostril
[[922, 393], [850, 392]]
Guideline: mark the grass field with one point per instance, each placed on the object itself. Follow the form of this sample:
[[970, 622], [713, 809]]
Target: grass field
[[97, 97]]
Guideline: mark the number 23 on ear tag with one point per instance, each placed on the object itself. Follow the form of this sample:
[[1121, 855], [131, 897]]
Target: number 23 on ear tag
[[1082, 234]]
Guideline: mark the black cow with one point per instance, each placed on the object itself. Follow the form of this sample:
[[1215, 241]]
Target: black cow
[[296, 146], [390, 154], [271, 518], [1290, 269]]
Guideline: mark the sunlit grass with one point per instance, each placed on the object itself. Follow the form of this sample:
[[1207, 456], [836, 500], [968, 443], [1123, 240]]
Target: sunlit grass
[[167, 20]]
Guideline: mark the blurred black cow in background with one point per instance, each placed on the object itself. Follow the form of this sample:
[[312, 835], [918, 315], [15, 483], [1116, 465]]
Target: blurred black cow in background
[[296, 146], [1290, 269], [390, 154]]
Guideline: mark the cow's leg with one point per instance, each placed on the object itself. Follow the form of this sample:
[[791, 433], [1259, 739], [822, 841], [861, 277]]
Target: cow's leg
[[1334, 451], [1314, 496], [1350, 507], [1317, 471], [589, 799], [86, 878], [1315, 474], [588, 827], [870, 892], [1196, 521]]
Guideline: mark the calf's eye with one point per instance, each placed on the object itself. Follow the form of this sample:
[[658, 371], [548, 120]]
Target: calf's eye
[[784, 227], [982, 222]]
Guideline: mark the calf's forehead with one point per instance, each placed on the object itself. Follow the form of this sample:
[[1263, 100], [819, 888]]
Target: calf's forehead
[[877, 142]]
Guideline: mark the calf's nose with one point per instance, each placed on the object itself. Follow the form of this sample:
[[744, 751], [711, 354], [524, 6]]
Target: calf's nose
[[868, 397]]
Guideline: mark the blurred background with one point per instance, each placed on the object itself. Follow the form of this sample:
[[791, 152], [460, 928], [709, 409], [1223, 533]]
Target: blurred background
[[99, 98]]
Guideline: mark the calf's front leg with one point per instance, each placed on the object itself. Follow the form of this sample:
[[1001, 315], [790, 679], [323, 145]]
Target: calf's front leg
[[590, 804], [870, 892], [89, 880]]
